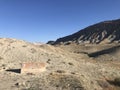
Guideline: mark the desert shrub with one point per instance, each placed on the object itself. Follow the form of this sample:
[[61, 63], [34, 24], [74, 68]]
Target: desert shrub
[[24, 46], [117, 81], [56, 81], [33, 50], [73, 73], [1, 57], [70, 63], [60, 71], [103, 84], [9, 40], [34, 84], [1, 43], [66, 82], [35, 87], [48, 61]]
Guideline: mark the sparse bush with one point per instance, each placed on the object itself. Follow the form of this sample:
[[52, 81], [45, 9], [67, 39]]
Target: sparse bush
[[9, 40], [48, 61], [33, 85], [1, 44], [117, 81], [33, 50], [72, 72], [103, 84], [66, 82], [34, 88], [1, 57], [24, 46], [70, 63], [60, 71]]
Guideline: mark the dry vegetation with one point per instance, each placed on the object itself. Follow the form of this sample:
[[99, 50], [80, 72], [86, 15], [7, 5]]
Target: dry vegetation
[[69, 67]]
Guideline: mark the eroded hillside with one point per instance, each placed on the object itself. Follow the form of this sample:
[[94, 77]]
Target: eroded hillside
[[66, 67], [103, 32]]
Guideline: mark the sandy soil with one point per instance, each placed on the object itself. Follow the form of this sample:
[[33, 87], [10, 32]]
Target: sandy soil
[[69, 67]]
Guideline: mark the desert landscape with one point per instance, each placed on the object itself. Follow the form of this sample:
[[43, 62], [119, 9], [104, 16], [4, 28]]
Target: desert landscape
[[86, 60]]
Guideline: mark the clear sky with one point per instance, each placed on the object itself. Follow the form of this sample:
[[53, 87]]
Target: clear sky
[[43, 20]]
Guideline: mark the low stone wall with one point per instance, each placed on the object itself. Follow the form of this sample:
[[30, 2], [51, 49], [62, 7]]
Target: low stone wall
[[33, 68]]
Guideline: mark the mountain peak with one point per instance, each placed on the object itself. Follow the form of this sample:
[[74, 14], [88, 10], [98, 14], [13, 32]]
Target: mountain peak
[[103, 32]]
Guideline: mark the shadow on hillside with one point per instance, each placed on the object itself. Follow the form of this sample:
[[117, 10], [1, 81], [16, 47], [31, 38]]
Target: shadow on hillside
[[106, 51], [14, 70], [113, 83]]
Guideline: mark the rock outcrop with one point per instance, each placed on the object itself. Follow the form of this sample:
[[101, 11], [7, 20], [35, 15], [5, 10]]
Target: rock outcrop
[[51, 42]]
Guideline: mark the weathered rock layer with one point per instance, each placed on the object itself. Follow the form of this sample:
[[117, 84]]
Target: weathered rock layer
[[103, 32]]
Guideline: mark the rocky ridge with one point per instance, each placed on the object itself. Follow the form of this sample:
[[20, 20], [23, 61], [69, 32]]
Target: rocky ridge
[[103, 32]]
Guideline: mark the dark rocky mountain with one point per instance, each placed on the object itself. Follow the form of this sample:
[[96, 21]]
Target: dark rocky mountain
[[50, 42], [103, 32]]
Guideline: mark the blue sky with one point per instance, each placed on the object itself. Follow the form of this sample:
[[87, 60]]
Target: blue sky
[[43, 20]]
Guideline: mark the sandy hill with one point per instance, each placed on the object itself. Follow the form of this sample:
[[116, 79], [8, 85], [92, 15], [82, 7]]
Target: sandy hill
[[103, 32], [67, 67]]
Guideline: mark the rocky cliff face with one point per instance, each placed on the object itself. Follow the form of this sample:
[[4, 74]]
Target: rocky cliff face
[[103, 32]]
